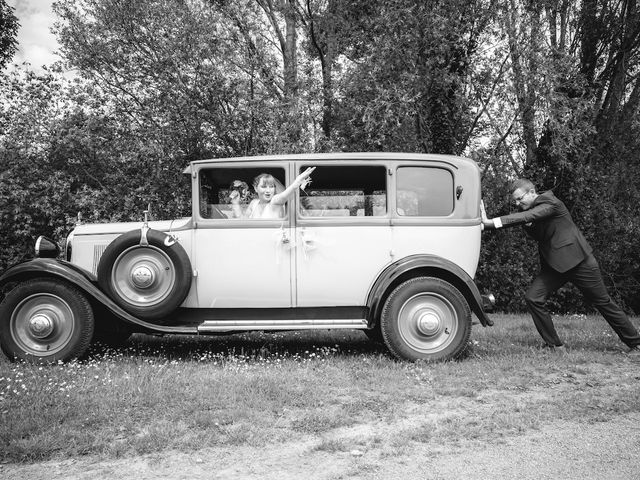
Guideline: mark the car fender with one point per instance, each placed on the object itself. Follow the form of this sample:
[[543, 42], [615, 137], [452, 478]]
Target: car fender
[[85, 281], [424, 265]]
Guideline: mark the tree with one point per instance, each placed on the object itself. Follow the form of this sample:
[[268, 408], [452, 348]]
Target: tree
[[8, 32], [574, 78], [169, 67], [330, 25], [408, 88], [546, 89], [283, 21], [33, 196]]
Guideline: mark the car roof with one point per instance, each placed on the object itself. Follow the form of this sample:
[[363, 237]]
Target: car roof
[[319, 157]]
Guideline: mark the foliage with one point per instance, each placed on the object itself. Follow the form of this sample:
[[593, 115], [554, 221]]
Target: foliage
[[574, 71], [409, 87], [548, 90], [33, 195], [8, 33], [168, 68], [59, 155]]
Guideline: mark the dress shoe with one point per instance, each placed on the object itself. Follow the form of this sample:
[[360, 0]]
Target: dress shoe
[[634, 351]]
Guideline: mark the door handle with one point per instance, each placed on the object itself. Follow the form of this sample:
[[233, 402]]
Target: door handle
[[303, 236]]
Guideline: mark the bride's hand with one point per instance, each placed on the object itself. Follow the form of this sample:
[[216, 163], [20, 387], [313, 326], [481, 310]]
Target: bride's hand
[[303, 179]]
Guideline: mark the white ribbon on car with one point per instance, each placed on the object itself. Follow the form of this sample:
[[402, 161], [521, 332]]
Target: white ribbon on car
[[309, 243], [282, 240], [308, 240]]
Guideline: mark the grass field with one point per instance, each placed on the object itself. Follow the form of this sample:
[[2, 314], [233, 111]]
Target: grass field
[[189, 393]]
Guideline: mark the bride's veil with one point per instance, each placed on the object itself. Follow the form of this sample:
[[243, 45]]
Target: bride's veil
[[270, 178]]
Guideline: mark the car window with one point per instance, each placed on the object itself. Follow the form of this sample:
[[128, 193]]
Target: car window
[[424, 192], [345, 191], [228, 193]]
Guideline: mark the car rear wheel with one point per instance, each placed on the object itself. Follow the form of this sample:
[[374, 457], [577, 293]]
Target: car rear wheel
[[150, 278], [426, 318], [45, 321]]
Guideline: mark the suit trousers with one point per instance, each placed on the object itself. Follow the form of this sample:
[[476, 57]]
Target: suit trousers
[[588, 278]]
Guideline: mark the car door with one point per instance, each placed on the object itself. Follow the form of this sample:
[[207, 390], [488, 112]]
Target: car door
[[240, 262], [343, 233]]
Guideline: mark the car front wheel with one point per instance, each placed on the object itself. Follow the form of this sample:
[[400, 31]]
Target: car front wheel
[[45, 321], [426, 318]]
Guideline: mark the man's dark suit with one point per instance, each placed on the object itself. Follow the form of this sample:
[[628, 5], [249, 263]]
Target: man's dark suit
[[565, 256]]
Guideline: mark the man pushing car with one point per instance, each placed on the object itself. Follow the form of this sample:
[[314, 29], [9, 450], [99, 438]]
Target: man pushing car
[[565, 256]]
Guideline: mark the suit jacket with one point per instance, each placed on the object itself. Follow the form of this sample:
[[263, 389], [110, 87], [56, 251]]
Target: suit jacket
[[560, 244]]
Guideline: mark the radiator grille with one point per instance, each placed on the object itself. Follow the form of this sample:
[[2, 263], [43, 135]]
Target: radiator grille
[[98, 250]]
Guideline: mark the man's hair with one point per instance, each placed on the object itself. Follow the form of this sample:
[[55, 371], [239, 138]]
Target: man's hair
[[522, 183]]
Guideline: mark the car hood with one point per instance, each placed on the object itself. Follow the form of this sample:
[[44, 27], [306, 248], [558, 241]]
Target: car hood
[[119, 228]]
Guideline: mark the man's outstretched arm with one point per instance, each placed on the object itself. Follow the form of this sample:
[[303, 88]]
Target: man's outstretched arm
[[539, 212]]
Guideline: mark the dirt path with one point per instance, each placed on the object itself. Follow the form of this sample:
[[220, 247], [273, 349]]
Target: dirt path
[[608, 450]]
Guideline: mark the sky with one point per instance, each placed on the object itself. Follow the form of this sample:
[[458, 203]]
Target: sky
[[36, 44]]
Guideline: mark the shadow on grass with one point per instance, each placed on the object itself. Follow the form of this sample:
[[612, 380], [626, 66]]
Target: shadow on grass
[[348, 343], [511, 335], [577, 331]]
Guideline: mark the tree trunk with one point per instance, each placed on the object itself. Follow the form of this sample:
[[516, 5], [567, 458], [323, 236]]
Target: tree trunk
[[290, 52], [525, 94], [290, 127], [322, 35]]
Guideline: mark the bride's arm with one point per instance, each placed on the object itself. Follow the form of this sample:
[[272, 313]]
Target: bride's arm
[[282, 197]]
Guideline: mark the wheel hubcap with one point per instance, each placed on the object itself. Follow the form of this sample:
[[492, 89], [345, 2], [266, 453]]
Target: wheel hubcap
[[143, 276], [41, 325], [428, 322]]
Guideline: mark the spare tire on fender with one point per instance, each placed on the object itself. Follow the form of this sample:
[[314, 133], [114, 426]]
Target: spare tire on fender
[[146, 272]]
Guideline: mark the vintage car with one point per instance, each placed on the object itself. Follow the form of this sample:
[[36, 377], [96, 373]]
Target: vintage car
[[387, 243]]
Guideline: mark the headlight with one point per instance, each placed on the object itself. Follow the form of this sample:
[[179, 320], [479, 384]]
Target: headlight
[[68, 247], [46, 248]]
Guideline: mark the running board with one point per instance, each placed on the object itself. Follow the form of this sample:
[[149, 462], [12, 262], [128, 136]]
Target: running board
[[236, 325]]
